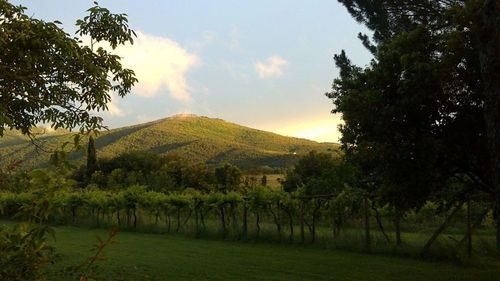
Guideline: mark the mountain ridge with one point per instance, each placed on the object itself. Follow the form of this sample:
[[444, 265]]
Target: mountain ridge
[[197, 138]]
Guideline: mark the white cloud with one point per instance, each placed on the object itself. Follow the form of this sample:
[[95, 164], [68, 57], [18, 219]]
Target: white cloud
[[273, 67], [114, 110], [159, 63]]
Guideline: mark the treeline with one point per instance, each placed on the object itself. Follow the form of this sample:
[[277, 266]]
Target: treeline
[[167, 173]]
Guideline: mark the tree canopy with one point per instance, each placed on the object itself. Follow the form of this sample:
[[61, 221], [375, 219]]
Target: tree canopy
[[48, 76], [425, 111]]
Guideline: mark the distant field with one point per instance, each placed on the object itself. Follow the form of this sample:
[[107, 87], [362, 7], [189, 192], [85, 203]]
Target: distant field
[[140, 256], [272, 179]]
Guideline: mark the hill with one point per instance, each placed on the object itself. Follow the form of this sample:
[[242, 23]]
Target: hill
[[193, 137]]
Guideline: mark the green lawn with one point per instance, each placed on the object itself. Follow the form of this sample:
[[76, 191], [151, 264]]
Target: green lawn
[[140, 256]]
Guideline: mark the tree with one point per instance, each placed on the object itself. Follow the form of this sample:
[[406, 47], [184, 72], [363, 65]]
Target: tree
[[50, 77], [313, 172], [433, 86], [47, 76], [489, 55], [263, 180], [91, 158], [227, 177]]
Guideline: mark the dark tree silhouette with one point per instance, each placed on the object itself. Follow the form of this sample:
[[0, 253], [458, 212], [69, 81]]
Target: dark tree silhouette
[[428, 106]]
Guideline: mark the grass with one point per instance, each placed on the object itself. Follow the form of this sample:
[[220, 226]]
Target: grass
[[140, 256]]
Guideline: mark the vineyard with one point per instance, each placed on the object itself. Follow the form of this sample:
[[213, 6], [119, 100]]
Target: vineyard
[[259, 211]]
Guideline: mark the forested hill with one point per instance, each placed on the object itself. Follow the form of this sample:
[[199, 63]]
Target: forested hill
[[192, 137]]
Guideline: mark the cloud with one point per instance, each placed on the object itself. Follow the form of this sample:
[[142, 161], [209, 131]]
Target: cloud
[[273, 67], [114, 110], [159, 63], [234, 42]]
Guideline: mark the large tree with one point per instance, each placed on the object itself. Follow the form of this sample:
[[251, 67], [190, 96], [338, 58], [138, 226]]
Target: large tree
[[49, 76], [427, 108], [489, 54]]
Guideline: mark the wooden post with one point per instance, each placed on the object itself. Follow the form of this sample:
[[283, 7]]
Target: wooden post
[[469, 231], [475, 225], [440, 229], [257, 223], [290, 222], [135, 218], [398, 227], [380, 225], [302, 235], [367, 225], [245, 220], [197, 223]]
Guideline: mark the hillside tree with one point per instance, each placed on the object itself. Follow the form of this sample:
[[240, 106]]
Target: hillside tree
[[91, 158]]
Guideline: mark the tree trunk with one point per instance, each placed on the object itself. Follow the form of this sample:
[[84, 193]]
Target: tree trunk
[[118, 217], [489, 55]]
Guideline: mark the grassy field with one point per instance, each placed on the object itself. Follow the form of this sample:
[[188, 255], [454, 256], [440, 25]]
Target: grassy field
[[140, 256]]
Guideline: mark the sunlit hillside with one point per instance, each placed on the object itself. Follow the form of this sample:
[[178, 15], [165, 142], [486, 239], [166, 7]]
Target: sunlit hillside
[[192, 137]]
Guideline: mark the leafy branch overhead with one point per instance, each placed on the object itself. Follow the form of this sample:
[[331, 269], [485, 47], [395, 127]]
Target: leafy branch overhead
[[51, 77]]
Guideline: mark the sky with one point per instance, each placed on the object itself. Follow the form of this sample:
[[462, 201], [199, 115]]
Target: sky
[[262, 64]]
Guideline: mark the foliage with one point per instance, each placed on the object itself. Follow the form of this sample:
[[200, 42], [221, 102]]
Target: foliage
[[414, 116], [51, 77], [25, 249], [227, 177], [25, 252], [319, 173]]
